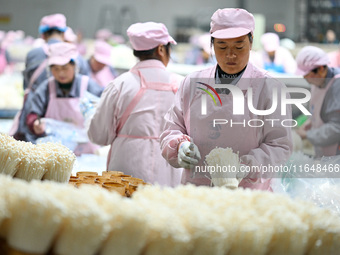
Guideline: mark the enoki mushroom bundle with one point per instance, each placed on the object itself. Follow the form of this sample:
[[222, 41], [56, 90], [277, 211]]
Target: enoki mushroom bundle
[[219, 162], [52, 217], [28, 161]]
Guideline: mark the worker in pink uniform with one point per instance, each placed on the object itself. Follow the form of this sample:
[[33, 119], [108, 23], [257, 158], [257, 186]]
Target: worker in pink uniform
[[323, 128], [274, 57], [130, 114], [99, 65], [59, 97], [51, 29], [192, 130]]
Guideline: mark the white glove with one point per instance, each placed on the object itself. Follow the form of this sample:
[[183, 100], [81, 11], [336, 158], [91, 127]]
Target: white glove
[[242, 172], [230, 180], [188, 155], [224, 179]]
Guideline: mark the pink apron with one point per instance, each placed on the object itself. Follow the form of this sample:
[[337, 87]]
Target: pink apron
[[144, 87], [103, 77], [68, 110], [34, 77], [206, 137], [317, 98]]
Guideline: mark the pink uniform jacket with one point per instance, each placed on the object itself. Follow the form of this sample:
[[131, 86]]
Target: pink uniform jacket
[[269, 144], [283, 60], [130, 118], [334, 58], [315, 105]]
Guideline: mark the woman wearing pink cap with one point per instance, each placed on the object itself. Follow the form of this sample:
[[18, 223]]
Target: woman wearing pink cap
[[59, 96], [274, 57], [130, 114], [323, 128], [52, 28], [194, 127], [99, 65]]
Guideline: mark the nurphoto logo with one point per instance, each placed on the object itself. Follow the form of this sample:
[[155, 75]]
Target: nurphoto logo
[[239, 103]]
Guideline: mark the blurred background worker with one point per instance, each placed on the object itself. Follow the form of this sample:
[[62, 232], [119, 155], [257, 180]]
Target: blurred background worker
[[274, 57], [99, 65], [130, 114], [51, 29], [71, 37], [59, 97], [202, 52], [4, 55], [323, 128]]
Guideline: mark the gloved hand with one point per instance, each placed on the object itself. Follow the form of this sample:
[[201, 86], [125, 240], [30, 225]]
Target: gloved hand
[[188, 155], [227, 179], [242, 172]]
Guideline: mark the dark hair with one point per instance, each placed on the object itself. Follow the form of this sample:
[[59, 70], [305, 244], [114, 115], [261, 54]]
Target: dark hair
[[149, 54], [315, 70], [250, 36], [72, 62], [52, 31]]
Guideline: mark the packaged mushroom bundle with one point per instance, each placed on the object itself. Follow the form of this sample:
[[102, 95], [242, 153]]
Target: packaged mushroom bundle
[[24, 160]]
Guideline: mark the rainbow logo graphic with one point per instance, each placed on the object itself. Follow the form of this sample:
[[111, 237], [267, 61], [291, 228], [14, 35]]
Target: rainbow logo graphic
[[211, 95]]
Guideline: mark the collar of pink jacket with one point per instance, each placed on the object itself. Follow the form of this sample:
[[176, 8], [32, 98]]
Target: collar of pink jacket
[[149, 63]]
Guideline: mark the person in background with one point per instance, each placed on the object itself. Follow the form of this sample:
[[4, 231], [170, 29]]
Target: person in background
[[274, 57], [201, 52], [59, 96], [9, 42], [52, 28], [130, 114], [103, 34], [4, 55], [70, 36], [330, 37], [189, 135], [99, 65], [334, 56], [323, 128]]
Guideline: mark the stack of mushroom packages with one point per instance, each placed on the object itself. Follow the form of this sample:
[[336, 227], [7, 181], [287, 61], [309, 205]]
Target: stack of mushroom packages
[[24, 160], [55, 218]]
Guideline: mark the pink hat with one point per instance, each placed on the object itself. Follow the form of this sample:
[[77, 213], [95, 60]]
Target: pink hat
[[103, 34], [70, 36], [270, 41], [309, 58], [231, 23], [62, 53], [204, 42], [148, 35], [102, 52], [54, 21]]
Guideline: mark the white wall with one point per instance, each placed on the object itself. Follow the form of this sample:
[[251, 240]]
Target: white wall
[[90, 15], [277, 11]]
